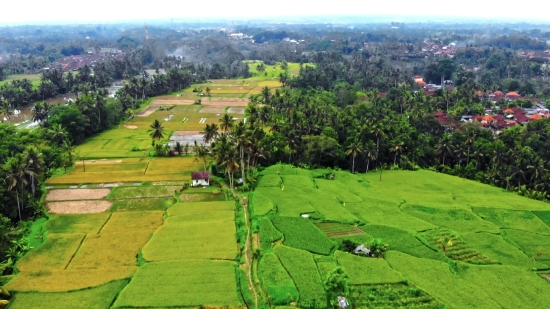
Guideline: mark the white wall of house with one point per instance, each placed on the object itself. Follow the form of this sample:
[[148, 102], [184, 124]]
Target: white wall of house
[[200, 182]]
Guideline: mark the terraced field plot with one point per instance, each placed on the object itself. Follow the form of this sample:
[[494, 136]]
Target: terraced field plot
[[443, 234]]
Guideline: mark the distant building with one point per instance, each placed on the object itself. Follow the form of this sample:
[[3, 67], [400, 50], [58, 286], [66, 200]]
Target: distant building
[[342, 302], [362, 248], [200, 178]]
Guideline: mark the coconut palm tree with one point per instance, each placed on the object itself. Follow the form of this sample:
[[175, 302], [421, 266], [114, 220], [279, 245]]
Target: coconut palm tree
[[157, 130], [266, 93], [58, 133], [397, 148], [178, 148], [68, 148], [210, 132], [227, 122], [34, 164], [5, 109], [201, 153], [15, 178], [444, 147], [241, 136], [354, 149], [370, 153], [230, 163]]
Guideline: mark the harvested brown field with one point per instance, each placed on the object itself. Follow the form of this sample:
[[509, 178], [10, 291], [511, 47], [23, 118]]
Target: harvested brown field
[[547, 276], [147, 111], [172, 101], [130, 127], [79, 207], [77, 194]]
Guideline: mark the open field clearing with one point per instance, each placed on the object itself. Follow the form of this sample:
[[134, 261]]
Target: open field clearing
[[143, 191], [54, 254], [143, 204], [99, 297], [192, 283], [78, 207], [33, 78], [77, 194], [66, 224]]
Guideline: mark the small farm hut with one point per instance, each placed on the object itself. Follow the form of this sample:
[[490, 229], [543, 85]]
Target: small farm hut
[[362, 248], [200, 178], [342, 302]]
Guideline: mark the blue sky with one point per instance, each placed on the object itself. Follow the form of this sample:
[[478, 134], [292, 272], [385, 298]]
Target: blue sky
[[36, 11]]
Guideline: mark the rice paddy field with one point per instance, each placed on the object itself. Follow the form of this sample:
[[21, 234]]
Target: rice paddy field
[[451, 243]]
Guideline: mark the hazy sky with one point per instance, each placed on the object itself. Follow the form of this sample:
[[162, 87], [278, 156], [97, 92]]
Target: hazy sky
[[36, 11]]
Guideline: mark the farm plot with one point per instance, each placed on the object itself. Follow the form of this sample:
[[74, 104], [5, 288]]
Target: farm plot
[[201, 197], [76, 194], [192, 283], [280, 287], [457, 249], [67, 280], [302, 234], [77, 223], [268, 233], [535, 246], [302, 269], [194, 229], [54, 254], [120, 241], [392, 296], [79, 207], [236, 110], [142, 204], [187, 137], [459, 220], [338, 229], [99, 297], [143, 191], [260, 203], [364, 270], [175, 165], [513, 219]]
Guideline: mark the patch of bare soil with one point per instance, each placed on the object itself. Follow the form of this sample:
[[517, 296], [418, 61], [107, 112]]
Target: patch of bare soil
[[226, 100], [130, 127], [147, 111], [236, 110], [79, 207], [347, 233], [224, 103], [547, 276], [212, 109], [77, 194]]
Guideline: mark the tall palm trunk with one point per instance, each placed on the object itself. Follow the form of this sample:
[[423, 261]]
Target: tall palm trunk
[[18, 206], [368, 161], [242, 163], [353, 165]]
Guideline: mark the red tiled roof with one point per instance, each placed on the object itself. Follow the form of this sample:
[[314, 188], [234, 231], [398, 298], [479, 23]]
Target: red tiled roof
[[520, 117], [200, 175], [535, 117]]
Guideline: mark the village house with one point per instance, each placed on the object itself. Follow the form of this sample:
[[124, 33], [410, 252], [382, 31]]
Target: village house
[[200, 178]]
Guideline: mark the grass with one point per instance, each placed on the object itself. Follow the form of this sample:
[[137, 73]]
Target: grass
[[142, 204], [143, 192], [280, 288], [458, 250], [365, 270], [535, 246], [302, 234], [66, 280], [301, 267], [544, 216], [392, 296], [270, 180], [260, 203], [332, 229], [33, 78], [193, 283], [36, 235], [513, 219], [183, 226], [268, 233], [99, 297], [459, 220], [64, 224]]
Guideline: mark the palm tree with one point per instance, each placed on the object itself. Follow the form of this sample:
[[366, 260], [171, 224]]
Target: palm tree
[[178, 148], [58, 133], [68, 148], [470, 140], [186, 148], [353, 150], [283, 78], [34, 164], [230, 163], [201, 153], [240, 134], [5, 109], [157, 130], [536, 169], [397, 148], [370, 153], [266, 93], [15, 177], [208, 91], [227, 122], [210, 132], [444, 147]]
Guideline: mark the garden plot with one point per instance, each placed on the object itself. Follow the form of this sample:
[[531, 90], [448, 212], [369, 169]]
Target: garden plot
[[76, 194], [192, 283], [338, 229], [187, 137], [94, 298], [78, 207], [143, 191]]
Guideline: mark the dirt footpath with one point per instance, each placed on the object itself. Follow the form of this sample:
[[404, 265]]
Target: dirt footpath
[[77, 194]]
